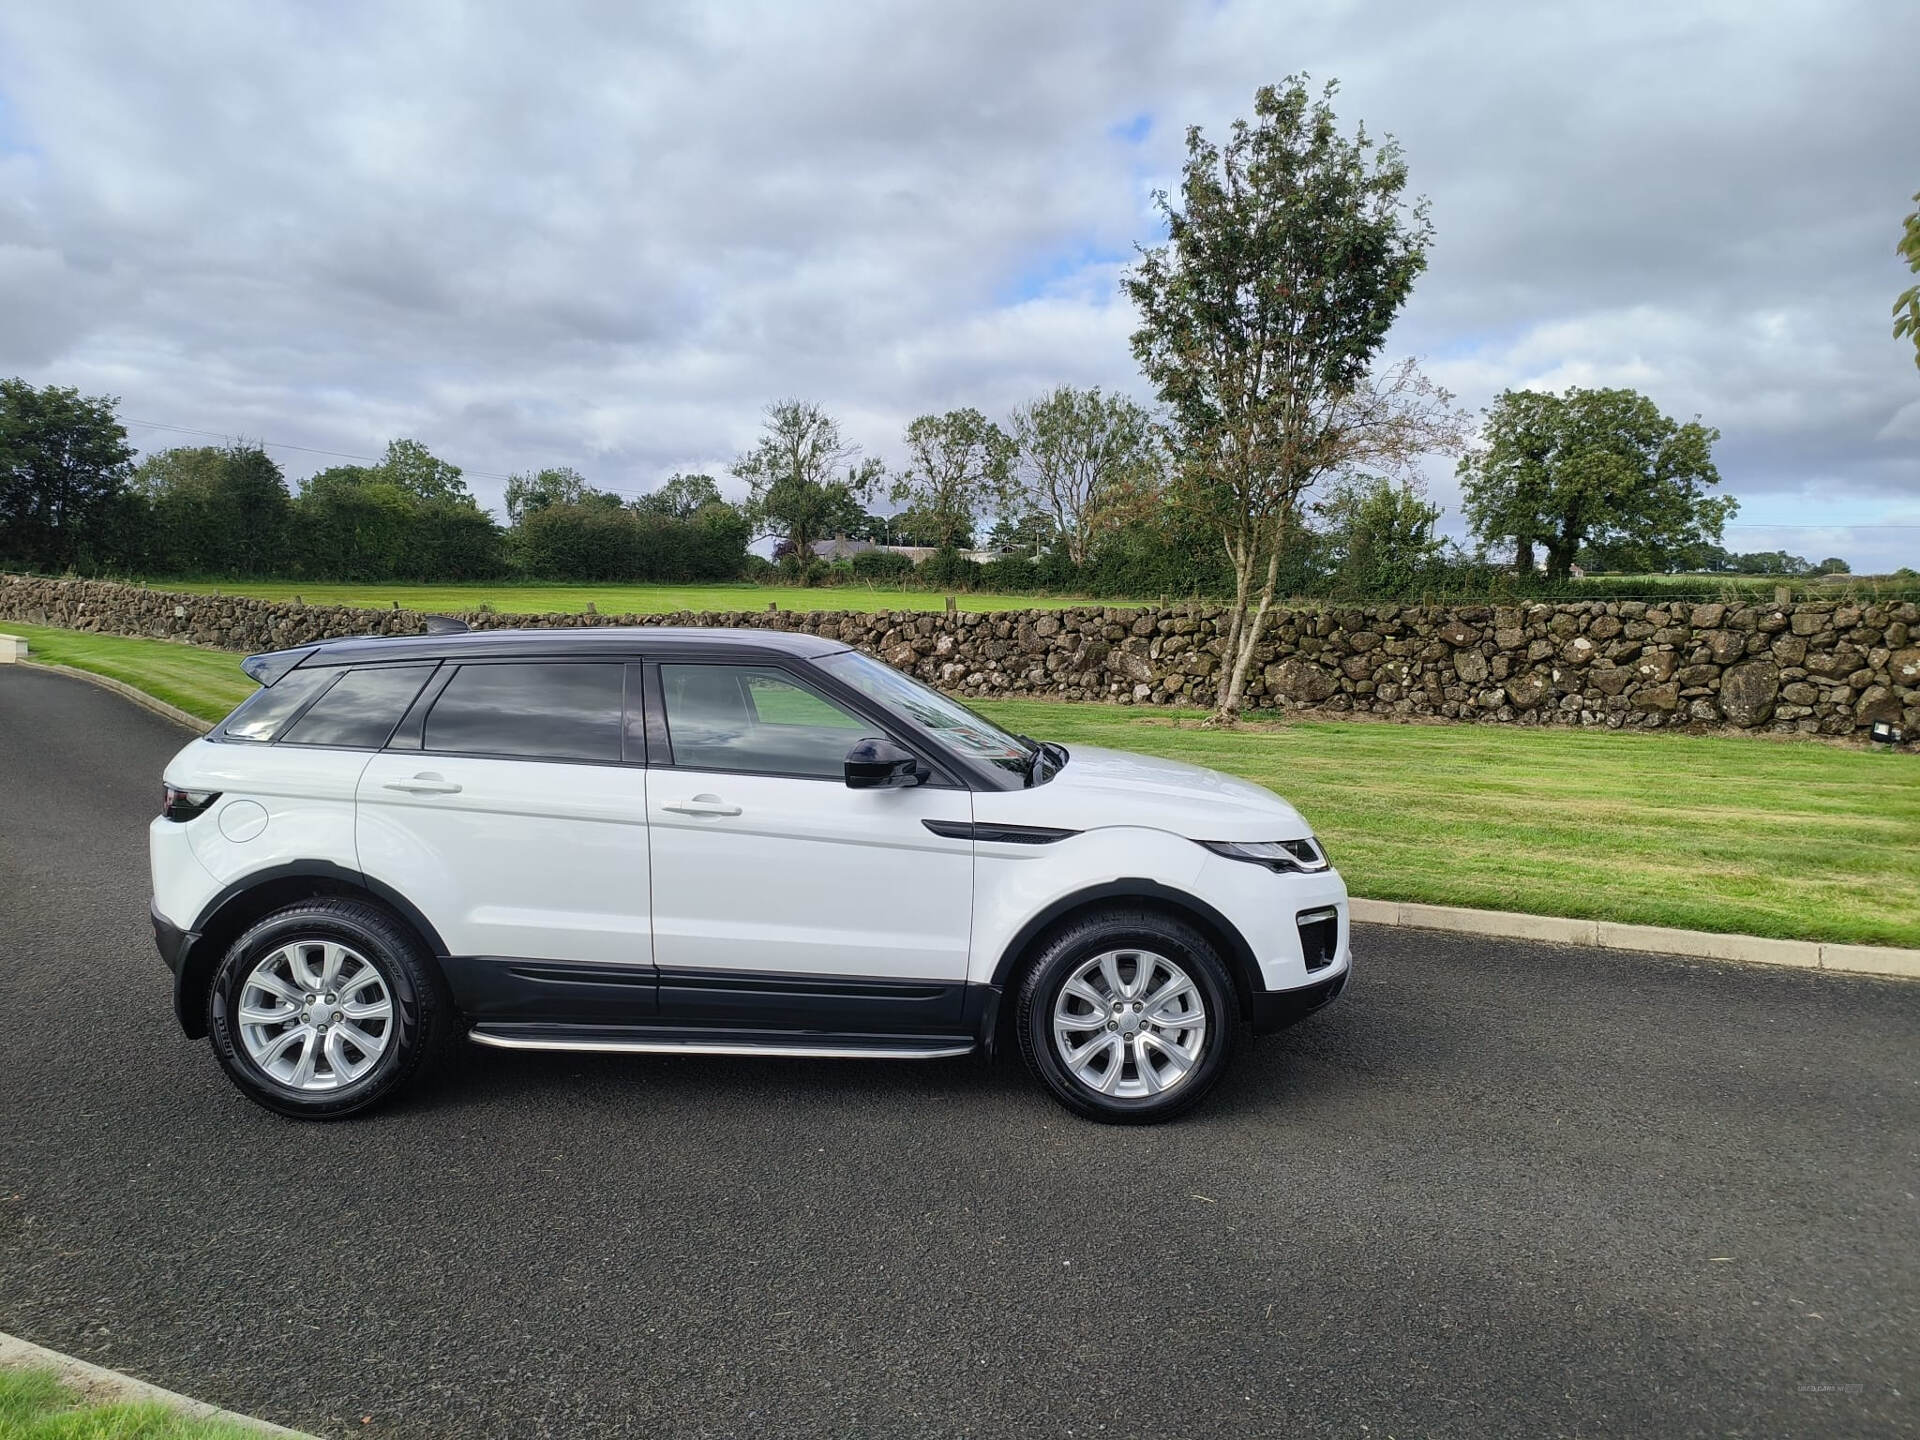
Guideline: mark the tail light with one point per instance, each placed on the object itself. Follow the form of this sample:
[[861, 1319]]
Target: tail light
[[185, 804]]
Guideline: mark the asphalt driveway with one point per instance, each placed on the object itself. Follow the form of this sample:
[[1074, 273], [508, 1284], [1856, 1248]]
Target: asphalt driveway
[[1502, 1188]]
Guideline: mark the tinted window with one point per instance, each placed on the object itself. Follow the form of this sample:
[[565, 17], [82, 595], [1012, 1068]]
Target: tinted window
[[361, 711], [262, 716], [548, 710], [746, 717], [953, 722]]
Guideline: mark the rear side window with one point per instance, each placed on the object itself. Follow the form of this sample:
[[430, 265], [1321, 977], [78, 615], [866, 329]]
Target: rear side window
[[541, 710], [361, 711], [260, 718]]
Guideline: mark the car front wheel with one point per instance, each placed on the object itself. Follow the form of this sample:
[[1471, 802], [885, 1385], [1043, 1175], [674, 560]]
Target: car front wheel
[[324, 1009], [1128, 1016]]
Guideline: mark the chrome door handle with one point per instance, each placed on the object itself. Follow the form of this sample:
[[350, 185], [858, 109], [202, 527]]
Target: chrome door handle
[[425, 784], [703, 805]]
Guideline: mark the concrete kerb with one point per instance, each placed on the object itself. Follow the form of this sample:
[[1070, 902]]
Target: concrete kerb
[[97, 1385], [1657, 939]]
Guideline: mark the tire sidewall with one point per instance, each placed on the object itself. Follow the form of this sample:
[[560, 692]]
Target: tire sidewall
[[374, 942], [1074, 947]]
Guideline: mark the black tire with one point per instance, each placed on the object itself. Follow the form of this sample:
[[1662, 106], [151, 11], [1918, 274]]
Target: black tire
[[1066, 949], [422, 1015]]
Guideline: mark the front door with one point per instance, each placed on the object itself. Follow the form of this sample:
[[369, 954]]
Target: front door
[[782, 897]]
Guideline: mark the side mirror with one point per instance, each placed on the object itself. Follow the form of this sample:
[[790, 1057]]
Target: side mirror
[[879, 764]]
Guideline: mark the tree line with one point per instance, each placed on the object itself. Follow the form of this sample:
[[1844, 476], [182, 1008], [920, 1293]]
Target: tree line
[[1077, 491], [1281, 456]]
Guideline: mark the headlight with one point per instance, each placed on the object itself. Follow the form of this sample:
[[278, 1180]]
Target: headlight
[[1288, 857]]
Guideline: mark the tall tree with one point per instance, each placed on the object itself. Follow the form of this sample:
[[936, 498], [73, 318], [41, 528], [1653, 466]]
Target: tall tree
[[1086, 459], [1379, 536], [680, 497], [63, 464], [531, 491], [1288, 255], [1599, 468], [1906, 310], [802, 475], [959, 468], [417, 470], [214, 510]]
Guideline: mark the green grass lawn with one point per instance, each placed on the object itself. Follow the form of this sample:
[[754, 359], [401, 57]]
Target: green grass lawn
[[1782, 838], [35, 1406], [1732, 833], [207, 683], [622, 599]]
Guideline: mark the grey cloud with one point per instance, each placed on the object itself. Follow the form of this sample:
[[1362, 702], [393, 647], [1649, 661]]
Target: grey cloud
[[608, 235]]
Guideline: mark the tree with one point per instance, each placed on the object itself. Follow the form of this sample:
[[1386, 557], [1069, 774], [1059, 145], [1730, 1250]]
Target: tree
[[1379, 536], [63, 465], [959, 467], [1088, 460], [415, 469], [1287, 258], [802, 476], [1833, 565], [1592, 468], [214, 510], [1029, 531], [1906, 310], [528, 492], [680, 497]]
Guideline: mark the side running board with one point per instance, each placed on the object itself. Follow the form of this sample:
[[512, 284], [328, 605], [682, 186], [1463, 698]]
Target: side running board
[[661, 1040]]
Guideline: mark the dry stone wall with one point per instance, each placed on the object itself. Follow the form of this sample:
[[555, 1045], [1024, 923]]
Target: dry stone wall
[[1823, 667]]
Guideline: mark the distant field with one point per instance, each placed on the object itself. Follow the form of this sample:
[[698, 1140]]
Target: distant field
[[1733, 833], [624, 599]]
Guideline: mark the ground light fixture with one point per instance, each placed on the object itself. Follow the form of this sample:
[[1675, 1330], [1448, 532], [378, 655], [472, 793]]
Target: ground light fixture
[[1885, 732]]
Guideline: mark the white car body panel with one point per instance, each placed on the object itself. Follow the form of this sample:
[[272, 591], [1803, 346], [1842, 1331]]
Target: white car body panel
[[307, 795], [809, 878], [527, 859]]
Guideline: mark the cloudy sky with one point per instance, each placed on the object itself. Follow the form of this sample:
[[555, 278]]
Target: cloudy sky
[[608, 235]]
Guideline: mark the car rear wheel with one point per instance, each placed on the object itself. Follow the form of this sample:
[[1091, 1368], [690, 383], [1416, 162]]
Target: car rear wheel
[[1128, 1016], [324, 1009]]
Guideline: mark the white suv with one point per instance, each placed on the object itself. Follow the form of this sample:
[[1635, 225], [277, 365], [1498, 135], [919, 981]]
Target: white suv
[[715, 842]]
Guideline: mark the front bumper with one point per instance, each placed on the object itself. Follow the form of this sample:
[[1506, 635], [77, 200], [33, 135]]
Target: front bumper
[[1277, 1009]]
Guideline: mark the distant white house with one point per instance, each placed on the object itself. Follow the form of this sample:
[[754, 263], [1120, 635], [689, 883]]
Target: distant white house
[[842, 548]]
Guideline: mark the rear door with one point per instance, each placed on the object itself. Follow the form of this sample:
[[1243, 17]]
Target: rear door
[[507, 809], [779, 894]]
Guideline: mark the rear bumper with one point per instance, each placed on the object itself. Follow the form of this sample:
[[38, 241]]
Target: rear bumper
[[172, 942], [1277, 1009]]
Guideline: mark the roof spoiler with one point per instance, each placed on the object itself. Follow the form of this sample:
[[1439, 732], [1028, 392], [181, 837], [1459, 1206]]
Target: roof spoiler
[[445, 625], [267, 668]]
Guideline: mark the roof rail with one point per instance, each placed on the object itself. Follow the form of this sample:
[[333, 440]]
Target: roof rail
[[445, 625]]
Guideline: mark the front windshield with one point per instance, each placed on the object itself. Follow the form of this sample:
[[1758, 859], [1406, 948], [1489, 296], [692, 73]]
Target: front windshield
[[970, 734]]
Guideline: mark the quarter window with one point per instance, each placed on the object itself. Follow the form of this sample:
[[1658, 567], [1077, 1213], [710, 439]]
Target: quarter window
[[361, 711], [542, 710], [755, 719], [260, 717]]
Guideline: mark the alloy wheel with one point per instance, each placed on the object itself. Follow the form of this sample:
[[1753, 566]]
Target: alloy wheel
[[315, 1015], [1130, 1024]]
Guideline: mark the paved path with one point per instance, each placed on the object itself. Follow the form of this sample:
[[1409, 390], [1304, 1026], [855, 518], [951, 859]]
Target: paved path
[[1502, 1188]]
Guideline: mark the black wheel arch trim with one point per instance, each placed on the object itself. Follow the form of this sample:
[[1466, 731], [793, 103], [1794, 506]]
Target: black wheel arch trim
[[1243, 965], [196, 960]]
